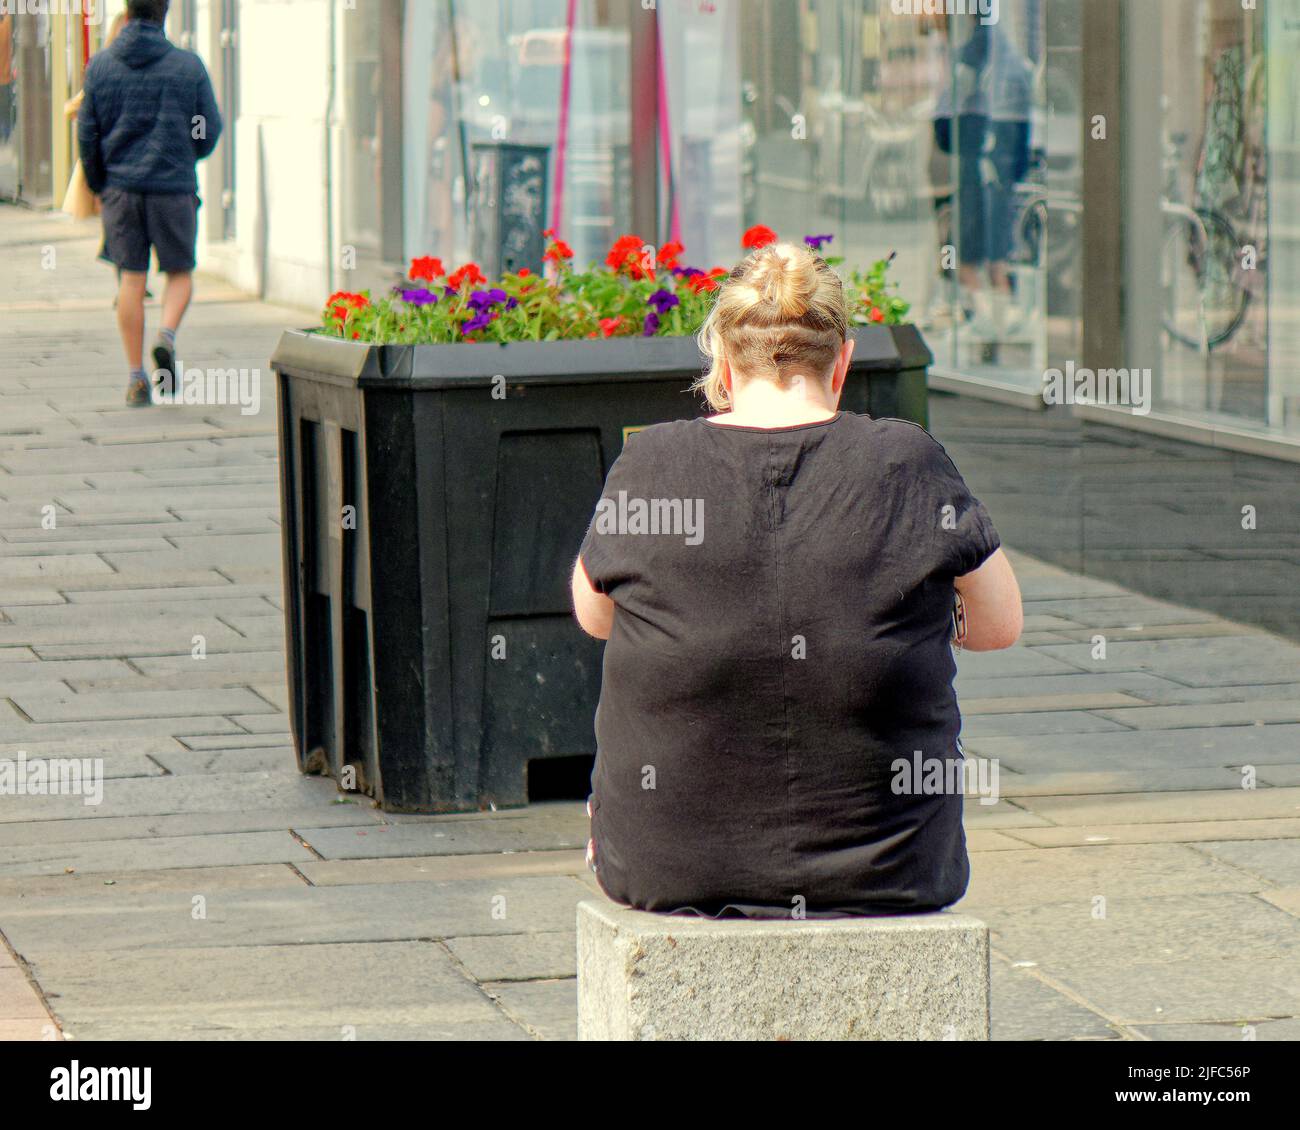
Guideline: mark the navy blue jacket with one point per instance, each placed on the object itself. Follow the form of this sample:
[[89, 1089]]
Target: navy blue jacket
[[145, 100]]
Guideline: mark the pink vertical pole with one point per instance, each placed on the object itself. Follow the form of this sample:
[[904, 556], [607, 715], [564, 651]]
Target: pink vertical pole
[[666, 142], [562, 132]]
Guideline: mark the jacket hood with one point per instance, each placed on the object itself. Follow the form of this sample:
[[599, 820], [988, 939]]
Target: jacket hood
[[140, 43]]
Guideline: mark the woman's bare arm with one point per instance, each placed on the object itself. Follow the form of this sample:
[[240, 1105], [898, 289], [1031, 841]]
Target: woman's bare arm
[[994, 616], [594, 610]]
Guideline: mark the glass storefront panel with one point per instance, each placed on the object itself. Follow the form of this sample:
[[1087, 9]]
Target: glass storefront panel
[[1213, 211], [491, 88], [26, 128], [1282, 260]]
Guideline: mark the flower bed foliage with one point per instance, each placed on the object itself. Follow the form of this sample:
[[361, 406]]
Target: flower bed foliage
[[637, 291]]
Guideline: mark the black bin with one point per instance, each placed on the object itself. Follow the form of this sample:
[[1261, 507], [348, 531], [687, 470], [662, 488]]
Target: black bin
[[434, 498]]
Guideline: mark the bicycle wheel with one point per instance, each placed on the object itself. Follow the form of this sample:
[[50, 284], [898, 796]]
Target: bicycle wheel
[[1204, 301]]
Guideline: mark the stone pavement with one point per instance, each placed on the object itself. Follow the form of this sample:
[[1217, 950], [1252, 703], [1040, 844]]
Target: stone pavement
[[1134, 888]]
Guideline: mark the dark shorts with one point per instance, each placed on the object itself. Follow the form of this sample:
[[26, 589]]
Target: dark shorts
[[137, 221]]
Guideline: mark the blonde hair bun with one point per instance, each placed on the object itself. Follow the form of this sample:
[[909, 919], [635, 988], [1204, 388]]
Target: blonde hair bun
[[781, 310]]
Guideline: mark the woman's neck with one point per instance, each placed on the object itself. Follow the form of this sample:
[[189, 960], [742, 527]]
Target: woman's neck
[[761, 404]]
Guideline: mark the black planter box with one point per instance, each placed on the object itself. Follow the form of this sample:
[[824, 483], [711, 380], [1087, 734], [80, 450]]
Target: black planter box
[[434, 498]]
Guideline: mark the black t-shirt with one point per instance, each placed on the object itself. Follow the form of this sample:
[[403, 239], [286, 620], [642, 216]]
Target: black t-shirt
[[781, 638]]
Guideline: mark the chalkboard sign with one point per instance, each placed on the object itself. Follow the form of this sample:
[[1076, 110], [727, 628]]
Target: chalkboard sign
[[508, 214]]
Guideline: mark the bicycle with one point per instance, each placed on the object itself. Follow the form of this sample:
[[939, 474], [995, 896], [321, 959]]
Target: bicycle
[[1204, 299]]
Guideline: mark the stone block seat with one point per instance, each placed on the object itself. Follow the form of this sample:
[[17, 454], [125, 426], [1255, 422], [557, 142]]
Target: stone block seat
[[672, 977]]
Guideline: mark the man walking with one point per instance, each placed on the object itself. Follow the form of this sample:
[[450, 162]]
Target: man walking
[[148, 116]]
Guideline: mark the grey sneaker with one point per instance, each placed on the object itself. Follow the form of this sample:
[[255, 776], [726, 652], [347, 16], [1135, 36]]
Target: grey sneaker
[[137, 393]]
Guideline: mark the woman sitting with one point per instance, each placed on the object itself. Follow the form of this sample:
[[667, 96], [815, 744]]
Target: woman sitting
[[777, 584]]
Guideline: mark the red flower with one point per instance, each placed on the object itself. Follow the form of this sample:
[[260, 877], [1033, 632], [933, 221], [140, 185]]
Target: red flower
[[626, 255], [427, 268], [557, 251], [342, 302], [549, 233], [610, 325], [758, 236], [468, 273], [356, 334], [670, 254], [523, 273], [877, 314], [702, 284]]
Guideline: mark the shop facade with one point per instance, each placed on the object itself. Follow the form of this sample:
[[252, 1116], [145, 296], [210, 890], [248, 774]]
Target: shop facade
[[1071, 189]]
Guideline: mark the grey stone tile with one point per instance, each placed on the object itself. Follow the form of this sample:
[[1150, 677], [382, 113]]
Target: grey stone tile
[[427, 869], [48, 833], [1215, 990], [1173, 831], [70, 707], [364, 991], [1261, 1030], [517, 957], [1254, 658], [106, 888], [301, 917], [1032, 876], [1274, 861], [541, 830], [1185, 716], [1154, 928], [1023, 1006], [188, 795], [1053, 722], [547, 1009], [268, 759], [1203, 747], [13, 730], [224, 849], [1146, 808]]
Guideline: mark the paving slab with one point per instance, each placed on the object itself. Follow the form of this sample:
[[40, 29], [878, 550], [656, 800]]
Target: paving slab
[[157, 853], [107, 888], [300, 917], [356, 991], [1014, 878], [187, 795], [540, 830], [1261, 1030], [1273, 861], [546, 1009], [1171, 832], [1152, 808], [70, 707], [518, 957], [426, 869], [1023, 1006]]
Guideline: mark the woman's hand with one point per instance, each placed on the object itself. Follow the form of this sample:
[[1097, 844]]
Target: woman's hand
[[994, 616], [594, 610]]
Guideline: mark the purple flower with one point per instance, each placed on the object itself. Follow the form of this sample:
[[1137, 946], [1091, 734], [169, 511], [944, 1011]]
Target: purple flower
[[419, 296], [663, 301], [480, 321], [816, 241], [687, 272], [511, 303], [449, 292], [482, 300], [651, 326]]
